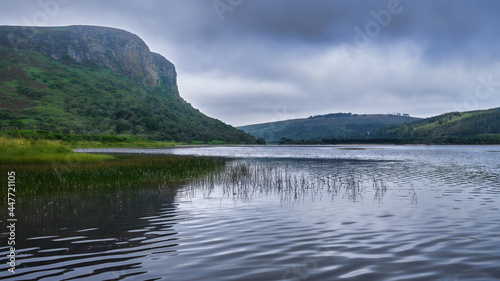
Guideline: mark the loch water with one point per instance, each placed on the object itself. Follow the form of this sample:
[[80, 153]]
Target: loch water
[[352, 212]]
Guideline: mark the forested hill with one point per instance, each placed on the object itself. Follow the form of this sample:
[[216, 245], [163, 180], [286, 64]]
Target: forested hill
[[96, 80], [454, 124], [329, 126]]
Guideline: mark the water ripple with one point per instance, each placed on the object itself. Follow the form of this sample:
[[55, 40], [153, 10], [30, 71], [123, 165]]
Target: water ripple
[[422, 213]]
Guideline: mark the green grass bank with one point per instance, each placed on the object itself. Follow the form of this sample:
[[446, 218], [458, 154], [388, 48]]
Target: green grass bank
[[46, 164]]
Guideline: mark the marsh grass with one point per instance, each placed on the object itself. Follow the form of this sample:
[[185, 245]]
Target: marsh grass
[[119, 173], [17, 151], [246, 179], [295, 182]]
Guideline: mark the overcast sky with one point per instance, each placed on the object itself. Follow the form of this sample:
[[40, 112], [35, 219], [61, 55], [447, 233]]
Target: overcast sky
[[254, 61]]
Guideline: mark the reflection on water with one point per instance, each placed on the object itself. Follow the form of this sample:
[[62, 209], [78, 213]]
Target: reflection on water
[[292, 182], [61, 237], [280, 213]]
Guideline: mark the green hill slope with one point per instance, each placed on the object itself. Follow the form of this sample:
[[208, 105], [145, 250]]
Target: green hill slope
[[96, 80], [330, 126], [454, 124]]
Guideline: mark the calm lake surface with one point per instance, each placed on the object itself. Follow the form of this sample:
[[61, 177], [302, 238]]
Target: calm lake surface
[[279, 213]]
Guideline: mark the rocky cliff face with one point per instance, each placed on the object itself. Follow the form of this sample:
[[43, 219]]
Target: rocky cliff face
[[58, 79], [118, 50]]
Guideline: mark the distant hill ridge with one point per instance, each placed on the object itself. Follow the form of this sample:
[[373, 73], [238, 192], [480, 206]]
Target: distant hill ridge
[[453, 124], [96, 80], [471, 127], [329, 126]]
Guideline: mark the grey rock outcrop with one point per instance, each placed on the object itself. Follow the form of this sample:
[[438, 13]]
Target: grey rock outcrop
[[118, 50]]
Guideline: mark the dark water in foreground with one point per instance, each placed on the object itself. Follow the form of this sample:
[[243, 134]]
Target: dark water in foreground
[[280, 213]]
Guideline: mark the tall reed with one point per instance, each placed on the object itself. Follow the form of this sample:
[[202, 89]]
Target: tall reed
[[247, 179], [123, 171]]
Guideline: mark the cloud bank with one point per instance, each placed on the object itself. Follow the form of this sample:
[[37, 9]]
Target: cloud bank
[[256, 61]]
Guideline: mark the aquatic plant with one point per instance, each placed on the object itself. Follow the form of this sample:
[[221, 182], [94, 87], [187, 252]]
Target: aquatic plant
[[246, 179], [380, 188], [413, 193]]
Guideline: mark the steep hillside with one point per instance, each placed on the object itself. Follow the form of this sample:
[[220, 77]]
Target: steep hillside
[[96, 80], [330, 126], [454, 124]]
